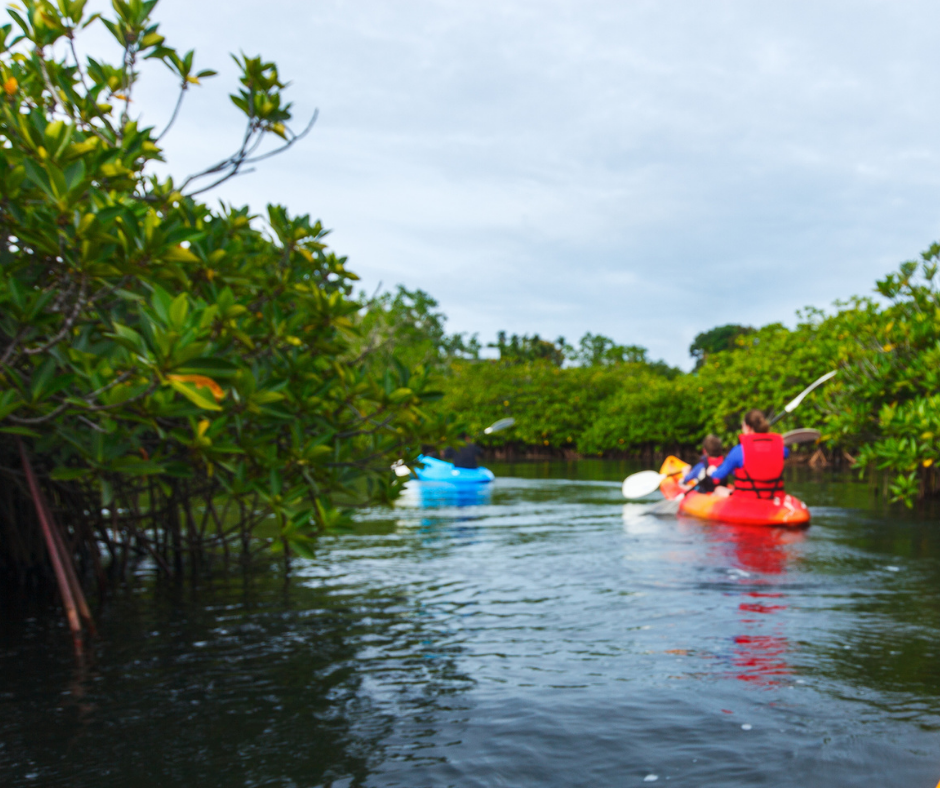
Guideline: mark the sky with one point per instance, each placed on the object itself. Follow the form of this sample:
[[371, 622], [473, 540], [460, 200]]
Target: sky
[[644, 170]]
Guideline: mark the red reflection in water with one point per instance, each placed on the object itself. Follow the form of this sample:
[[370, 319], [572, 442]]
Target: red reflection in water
[[759, 656]]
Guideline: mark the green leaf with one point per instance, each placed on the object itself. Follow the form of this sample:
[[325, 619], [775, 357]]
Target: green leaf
[[194, 395], [69, 474], [219, 368], [9, 402], [129, 338], [266, 397], [178, 311], [42, 378], [20, 431], [107, 492], [161, 303], [39, 177], [136, 466], [179, 254], [74, 174]]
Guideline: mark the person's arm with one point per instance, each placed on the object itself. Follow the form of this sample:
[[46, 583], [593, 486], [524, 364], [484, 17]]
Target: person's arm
[[733, 461], [693, 474]]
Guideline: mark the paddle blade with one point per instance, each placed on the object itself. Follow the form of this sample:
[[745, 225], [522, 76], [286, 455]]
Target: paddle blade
[[666, 508], [496, 426], [639, 485], [400, 468], [673, 466], [794, 403], [801, 435]]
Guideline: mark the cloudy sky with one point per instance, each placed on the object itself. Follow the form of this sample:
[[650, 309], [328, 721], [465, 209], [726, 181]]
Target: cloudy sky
[[646, 170]]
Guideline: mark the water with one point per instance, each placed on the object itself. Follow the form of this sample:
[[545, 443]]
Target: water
[[543, 635]]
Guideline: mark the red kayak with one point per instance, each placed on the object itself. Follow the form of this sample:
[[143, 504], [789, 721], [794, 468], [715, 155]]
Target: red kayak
[[782, 510]]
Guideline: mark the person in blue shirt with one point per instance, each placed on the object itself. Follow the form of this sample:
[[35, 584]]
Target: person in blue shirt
[[754, 422], [712, 456]]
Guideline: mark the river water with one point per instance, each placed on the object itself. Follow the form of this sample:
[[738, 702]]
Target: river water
[[544, 634]]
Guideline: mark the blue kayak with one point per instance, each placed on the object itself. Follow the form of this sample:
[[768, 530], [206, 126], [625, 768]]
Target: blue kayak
[[430, 469]]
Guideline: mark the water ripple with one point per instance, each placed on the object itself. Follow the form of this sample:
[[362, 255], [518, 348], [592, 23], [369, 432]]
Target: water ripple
[[541, 634]]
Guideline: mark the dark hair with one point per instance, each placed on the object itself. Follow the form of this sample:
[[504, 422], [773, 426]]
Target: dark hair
[[756, 420], [712, 446]]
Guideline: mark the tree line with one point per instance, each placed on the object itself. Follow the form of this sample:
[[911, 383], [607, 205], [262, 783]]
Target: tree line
[[881, 411]]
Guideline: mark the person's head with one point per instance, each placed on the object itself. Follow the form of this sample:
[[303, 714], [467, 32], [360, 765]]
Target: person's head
[[754, 421], [712, 446]]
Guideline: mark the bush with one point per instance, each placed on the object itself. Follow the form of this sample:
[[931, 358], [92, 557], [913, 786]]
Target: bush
[[647, 412], [157, 351], [553, 406]]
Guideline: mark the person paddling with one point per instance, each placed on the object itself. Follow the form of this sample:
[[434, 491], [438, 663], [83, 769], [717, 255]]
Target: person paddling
[[712, 457], [756, 463], [467, 456]]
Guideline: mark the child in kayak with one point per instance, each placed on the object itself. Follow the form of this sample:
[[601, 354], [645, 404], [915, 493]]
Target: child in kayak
[[756, 463], [712, 457]]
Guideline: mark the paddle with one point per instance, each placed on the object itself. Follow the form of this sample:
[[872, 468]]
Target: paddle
[[795, 402], [496, 426], [639, 485], [403, 470], [800, 435]]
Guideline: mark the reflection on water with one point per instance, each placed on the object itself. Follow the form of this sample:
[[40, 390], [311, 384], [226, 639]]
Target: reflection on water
[[436, 495], [753, 559], [541, 633], [762, 554]]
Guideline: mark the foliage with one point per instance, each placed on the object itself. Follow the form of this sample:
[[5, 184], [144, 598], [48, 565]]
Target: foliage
[[768, 369], [633, 406], [883, 405], [406, 325], [553, 406], [890, 401], [146, 339], [525, 349], [593, 350], [647, 411], [596, 350], [715, 340]]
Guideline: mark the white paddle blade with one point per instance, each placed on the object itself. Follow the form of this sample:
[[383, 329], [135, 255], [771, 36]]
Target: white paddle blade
[[792, 406], [400, 468], [801, 435], [496, 426], [639, 485]]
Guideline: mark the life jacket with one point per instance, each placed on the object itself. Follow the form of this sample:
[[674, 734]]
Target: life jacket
[[707, 484], [762, 474]]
